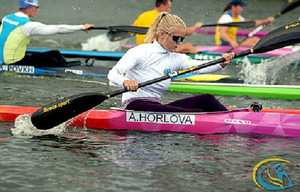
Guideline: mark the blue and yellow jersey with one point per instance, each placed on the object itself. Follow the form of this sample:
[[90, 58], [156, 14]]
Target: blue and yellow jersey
[[232, 31], [13, 41]]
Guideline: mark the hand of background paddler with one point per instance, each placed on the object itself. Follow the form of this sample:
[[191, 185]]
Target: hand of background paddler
[[228, 57], [87, 26], [234, 44], [131, 85], [270, 20], [198, 25]]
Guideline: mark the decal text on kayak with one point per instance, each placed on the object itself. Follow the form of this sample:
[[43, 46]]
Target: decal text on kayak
[[237, 121], [46, 109], [160, 118], [17, 68], [292, 25], [206, 57], [188, 70], [78, 72]]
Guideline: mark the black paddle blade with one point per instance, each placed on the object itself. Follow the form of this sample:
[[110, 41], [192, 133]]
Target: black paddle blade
[[118, 35], [125, 28], [281, 37], [60, 111], [132, 29]]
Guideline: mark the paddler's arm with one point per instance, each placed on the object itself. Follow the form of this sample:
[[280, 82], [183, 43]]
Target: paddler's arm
[[224, 35], [37, 28], [269, 20], [192, 29], [117, 74]]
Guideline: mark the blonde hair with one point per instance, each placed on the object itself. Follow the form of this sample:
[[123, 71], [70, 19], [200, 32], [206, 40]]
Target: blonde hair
[[164, 21]]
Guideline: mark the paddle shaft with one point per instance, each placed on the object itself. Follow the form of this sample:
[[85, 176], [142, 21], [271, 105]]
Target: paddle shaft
[[245, 24], [143, 30], [117, 33]]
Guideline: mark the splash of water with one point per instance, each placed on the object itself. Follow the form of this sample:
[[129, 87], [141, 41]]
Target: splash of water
[[24, 128], [253, 73], [102, 43], [268, 71]]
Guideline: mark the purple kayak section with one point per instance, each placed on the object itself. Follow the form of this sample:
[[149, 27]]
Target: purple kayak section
[[224, 49], [239, 33]]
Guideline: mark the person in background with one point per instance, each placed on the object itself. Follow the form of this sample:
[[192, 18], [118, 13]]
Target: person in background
[[146, 19], [154, 59], [227, 35], [16, 32]]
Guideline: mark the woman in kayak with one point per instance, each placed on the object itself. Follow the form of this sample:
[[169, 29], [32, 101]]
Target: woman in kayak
[[158, 57], [16, 32]]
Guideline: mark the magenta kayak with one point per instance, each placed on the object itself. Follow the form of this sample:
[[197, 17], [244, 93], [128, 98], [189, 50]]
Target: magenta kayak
[[224, 49], [239, 33], [277, 122], [241, 121]]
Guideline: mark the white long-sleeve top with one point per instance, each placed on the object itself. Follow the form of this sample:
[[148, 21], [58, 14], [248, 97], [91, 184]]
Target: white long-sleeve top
[[148, 61], [37, 28]]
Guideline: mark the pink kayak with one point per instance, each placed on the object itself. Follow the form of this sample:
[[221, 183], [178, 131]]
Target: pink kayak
[[224, 49], [239, 33], [271, 122]]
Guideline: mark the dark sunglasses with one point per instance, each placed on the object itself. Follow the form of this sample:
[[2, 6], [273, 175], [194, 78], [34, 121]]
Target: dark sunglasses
[[175, 38]]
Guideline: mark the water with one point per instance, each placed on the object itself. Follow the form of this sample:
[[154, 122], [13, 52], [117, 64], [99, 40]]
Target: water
[[79, 159], [138, 161]]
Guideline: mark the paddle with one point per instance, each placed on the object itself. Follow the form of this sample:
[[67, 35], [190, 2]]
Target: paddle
[[124, 28], [60, 111], [117, 33], [290, 5], [245, 24], [143, 30]]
